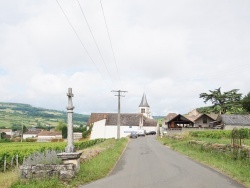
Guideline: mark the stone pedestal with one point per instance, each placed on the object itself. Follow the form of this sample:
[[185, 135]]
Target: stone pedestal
[[71, 158]]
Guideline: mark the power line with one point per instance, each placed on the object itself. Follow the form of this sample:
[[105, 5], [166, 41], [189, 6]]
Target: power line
[[110, 43], [85, 49], [119, 109], [94, 39]]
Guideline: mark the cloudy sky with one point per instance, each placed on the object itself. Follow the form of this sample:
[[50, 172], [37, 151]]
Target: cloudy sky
[[171, 50]]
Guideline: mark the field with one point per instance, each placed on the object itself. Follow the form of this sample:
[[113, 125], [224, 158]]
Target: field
[[14, 114], [24, 149], [90, 170], [219, 159]]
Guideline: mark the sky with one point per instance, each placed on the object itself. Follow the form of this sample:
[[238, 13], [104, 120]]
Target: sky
[[170, 50]]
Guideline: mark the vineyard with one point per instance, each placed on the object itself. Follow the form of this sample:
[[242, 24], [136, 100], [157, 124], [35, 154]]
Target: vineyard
[[14, 152]]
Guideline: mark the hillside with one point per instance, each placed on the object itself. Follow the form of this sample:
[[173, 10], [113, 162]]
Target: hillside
[[14, 114]]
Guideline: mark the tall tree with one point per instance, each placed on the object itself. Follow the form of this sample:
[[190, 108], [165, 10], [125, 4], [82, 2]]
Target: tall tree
[[223, 102], [246, 102]]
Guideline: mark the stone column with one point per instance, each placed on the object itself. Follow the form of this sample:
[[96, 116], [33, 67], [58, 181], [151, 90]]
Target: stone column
[[70, 156], [70, 146]]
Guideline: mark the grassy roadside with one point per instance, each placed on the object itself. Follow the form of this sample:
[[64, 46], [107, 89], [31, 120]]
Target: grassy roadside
[[91, 170], [6, 179], [237, 169]]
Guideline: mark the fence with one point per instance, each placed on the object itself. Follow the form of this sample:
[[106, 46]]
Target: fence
[[14, 162]]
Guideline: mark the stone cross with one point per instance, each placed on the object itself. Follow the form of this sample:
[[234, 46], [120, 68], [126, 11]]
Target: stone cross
[[70, 146]]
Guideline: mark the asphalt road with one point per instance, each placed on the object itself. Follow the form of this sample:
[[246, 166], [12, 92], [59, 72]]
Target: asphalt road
[[148, 164]]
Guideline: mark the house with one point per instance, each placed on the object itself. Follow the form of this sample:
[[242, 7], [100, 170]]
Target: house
[[202, 120], [47, 136], [173, 120], [105, 124], [8, 132], [31, 133], [231, 121]]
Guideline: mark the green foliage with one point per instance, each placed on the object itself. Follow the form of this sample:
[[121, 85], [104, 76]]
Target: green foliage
[[30, 140], [47, 157], [64, 132], [227, 102], [86, 144], [244, 133], [13, 114], [91, 170], [211, 134], [86, 132], [246, 102], [239, 169], [24, 149], [60, 126]]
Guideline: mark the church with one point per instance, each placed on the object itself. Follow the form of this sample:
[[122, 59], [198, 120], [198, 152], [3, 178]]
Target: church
[[105, 124]]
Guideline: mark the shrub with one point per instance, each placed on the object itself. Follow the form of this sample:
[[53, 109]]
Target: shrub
[[30, 140], [47, 157]]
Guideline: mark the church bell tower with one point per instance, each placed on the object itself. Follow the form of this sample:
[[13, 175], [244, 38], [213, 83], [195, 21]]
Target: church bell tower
[[144, 108]]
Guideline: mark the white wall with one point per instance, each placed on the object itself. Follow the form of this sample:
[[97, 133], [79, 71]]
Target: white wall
[[29, 136], [231, 127], [98, 130]]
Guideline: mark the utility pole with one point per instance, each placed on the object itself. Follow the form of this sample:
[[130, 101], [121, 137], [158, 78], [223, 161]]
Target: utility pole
[[22, 133], [119, 109]]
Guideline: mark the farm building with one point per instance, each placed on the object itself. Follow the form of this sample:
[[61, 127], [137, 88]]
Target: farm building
[[231, 121]]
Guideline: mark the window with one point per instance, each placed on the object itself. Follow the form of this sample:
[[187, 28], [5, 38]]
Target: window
[[205, 119], [143, 110]]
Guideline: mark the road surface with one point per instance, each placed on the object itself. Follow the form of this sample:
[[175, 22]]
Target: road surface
[[148, 164]]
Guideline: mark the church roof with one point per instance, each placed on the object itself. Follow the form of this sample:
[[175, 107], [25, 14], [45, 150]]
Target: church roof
[[127, 119], [144, 102]]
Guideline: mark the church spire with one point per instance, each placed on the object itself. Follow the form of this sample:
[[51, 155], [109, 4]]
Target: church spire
[[144, 102]]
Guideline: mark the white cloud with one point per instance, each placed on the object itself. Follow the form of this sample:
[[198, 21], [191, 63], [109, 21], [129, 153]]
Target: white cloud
[[172, 50]]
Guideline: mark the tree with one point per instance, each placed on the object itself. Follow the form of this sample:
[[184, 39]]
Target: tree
[[65, 132], [246, 102], [227, 102], [60, 126]]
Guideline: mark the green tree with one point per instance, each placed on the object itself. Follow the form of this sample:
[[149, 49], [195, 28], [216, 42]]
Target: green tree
[[227, 102], [65, 132], [60, 126], [246, 102]]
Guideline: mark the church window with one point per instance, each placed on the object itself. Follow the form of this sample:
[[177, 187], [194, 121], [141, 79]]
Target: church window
[[143, 110]]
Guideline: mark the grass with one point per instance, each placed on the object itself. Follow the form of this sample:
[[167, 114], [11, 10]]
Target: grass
[[91, 170], [6, 179], [237, 169]]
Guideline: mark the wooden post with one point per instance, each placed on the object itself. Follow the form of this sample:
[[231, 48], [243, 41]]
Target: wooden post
[[4, 164], [12, 159], [17, 160]]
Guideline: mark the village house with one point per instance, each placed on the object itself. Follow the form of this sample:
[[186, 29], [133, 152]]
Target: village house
[[176, 121], [31, 133], [201, 119], [105, 124], [47, 136], [8, 133], [231, 121]]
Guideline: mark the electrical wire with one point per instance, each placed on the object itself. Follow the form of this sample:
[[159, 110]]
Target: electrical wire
[[94, 39], [110, 42], [85, 49]]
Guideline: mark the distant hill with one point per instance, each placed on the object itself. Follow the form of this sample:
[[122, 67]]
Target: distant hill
[[14, 114]]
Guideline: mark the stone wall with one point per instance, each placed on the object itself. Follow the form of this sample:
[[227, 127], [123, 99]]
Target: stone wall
[[41, 171]]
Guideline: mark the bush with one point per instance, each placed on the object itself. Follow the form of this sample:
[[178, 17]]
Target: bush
[[30, 140], [244, 133], [57, 140], [211, 134], [47, 157]]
